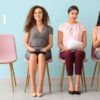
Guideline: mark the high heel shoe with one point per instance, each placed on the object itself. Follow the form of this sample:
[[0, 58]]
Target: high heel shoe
[[71, 92], [39, 94], [77, 92], [33, 94]]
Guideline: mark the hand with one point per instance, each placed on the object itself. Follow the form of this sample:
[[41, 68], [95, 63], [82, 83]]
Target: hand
[[32, 50], [65, 49], [98, 37], [81, 49], [44, 50], [98, 40]]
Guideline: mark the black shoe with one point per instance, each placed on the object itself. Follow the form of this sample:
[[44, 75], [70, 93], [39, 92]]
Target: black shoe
[[71, 92], [77, 92]]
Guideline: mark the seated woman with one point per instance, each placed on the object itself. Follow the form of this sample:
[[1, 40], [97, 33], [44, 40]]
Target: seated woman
[[96, 38], [38, 42], [71, 31]]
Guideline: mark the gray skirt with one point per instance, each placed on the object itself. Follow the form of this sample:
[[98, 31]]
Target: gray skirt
[[48, 55], [97, 53]]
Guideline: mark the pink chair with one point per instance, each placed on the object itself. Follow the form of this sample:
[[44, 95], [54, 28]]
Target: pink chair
[[28, 76], [8, 54], [82, 75], [96, 69]]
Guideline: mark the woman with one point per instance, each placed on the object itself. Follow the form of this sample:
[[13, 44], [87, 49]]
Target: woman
[[72, 29], [96, 38], [38, 42]]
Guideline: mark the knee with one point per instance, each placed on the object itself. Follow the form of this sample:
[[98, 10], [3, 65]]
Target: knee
[[41, 56], [68, 53], [79, 54], [32, 56]]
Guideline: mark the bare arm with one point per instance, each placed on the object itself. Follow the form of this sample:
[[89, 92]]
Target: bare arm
[[60, 41], [84, 39], [95, 40], [50, 43], [26, 42]]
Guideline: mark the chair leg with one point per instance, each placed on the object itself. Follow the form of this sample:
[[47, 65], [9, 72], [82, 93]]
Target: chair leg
[[27, 80], [62, 77], [94, 74], [13, 74], [12, 81], [49, 81], [84, 80], [97, 79]]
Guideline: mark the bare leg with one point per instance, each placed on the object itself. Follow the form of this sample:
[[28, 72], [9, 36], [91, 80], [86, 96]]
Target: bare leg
[[41, 69], [77, 83], [32, 72], [70, 83]]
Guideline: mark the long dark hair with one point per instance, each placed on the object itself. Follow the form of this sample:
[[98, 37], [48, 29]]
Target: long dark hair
[[98, 22], [30, 21]]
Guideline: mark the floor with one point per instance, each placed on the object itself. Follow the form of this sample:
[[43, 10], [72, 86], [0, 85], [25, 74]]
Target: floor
[[19, 94]]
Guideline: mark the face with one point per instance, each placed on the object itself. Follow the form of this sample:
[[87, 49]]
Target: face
[[73, 15], [38, 14]]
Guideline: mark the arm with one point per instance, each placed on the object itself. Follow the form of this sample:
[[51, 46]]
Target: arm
[[84, 41], [50, 43], [60, 41], [95, 40], [26, 42]]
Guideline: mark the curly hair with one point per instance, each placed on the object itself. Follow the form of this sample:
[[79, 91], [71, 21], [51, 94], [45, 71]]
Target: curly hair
[[30, 21]]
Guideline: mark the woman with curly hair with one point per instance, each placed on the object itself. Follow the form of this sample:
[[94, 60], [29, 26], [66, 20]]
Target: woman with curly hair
[[38, 42]]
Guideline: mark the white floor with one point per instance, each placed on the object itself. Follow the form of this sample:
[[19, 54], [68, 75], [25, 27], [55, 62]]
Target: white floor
[[19, 94]]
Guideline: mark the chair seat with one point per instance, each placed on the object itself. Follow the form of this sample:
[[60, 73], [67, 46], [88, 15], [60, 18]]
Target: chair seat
[[6, 60], [95, 60]]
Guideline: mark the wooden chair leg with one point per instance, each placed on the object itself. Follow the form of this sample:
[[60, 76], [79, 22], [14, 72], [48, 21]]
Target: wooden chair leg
[[94, 74], [84, 80], [97, 79], [28, 77], [62, 77], [27, 80], [12, 81], [13, 75], [49, 81]]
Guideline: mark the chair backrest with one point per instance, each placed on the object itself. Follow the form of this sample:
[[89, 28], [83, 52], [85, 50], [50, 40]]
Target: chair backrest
[[7, 47]]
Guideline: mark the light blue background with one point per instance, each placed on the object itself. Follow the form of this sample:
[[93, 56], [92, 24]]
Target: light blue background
[[16, 12]]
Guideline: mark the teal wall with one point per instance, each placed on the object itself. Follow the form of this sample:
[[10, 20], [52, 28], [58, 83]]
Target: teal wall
[[16, 11]]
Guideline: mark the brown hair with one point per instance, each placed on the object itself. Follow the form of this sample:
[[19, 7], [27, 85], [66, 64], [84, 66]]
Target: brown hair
[[30, 21]]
